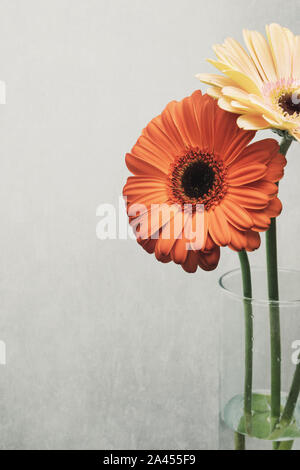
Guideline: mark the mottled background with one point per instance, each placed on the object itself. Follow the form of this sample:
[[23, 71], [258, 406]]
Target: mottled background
[[106, 348]]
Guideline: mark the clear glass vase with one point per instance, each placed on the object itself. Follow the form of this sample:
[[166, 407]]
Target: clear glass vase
[[260, 352]]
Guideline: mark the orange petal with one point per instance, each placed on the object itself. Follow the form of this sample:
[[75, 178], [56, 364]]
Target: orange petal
[[266, 187], [196, 230], [236, 215], [153, 220], [160, 257], [210, 244], [186, 110], [248, 198], [238, 175], [276, 168], [171, 128], [169, 234], [148, 244], [261, 151], [153, 153], [238, 240], [145, 190], [151, 197], [156, 133], [225, 131], [180, 250], [274, 173], [253, 240], [205, 109], [261, 220], [274, 208], [209, 261], [141, 167], [238, 145], [218, 227], [164, 246], [191, 263], [175, 109]]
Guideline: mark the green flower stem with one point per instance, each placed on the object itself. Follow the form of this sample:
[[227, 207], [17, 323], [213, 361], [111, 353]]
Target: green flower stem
[[289, 408], [239, 441], [285, 445], [273, 290], [271, 248], [247, 293], [285, 144]]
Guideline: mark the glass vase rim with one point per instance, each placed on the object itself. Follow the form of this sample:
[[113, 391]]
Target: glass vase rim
[[257, 300]]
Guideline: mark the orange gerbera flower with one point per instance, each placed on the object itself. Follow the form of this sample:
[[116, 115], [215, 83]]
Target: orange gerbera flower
[[195, 156]]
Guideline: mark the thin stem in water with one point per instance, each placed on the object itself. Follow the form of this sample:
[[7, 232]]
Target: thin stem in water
[[247, 293], [289, 408], [273, 290], [285, 445], [239, 441]]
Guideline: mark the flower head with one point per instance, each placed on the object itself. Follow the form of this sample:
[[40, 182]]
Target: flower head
[[263, 84], [197, 180]]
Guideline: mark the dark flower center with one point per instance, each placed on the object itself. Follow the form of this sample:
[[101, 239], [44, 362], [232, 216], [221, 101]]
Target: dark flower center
[[290, 103], [198, 179]]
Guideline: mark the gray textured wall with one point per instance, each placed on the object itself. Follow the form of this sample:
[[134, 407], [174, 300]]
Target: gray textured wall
[[106, 348]]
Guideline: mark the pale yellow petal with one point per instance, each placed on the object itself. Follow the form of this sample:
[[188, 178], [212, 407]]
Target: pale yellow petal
[[261, 54], [243, 61], [251, 49], [252, 122], [214, 92], [291, 39], [296, 134], [259, 105], [240, 107], [273, 122], [284, 124], [225, 104], [237, 62], [239, 99], [296, 61], [244, 81], [236, 94], [214, 79], [219, 65], [222, 54], [280, 50]]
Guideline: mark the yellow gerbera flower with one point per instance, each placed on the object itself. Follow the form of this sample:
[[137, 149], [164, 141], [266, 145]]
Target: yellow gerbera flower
[[262, 85]]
